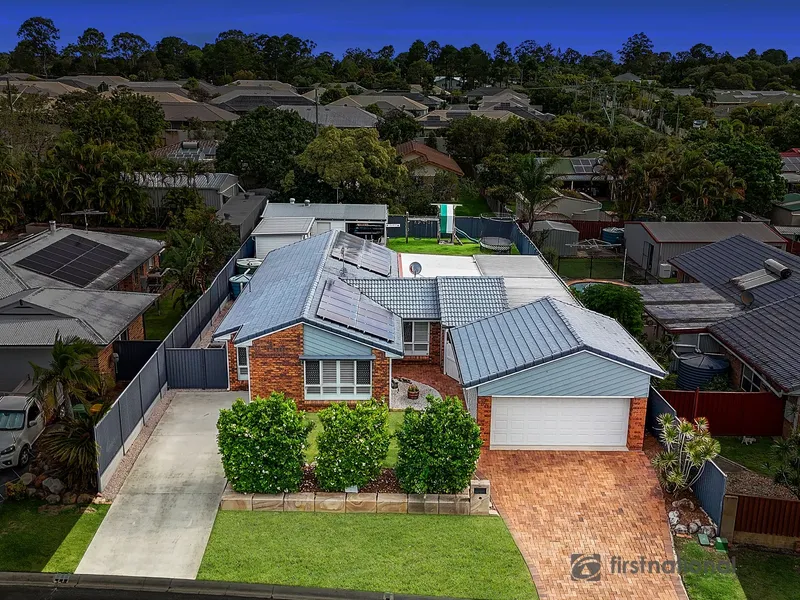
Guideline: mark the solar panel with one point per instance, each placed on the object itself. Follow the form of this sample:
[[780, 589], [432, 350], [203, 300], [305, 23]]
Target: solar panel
[[584, 166], [345, 305], [791, 163], [73, 259], [363, 254]]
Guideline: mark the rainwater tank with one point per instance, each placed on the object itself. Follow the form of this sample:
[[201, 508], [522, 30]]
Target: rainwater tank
[[696, 370], [613, 235]]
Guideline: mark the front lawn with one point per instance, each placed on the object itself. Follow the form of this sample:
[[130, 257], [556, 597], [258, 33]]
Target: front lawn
[[395, 421], [162, 317], [753, 456], [430, 246], [584, 268], [710, 575], [768, 576], [51, 541], [463, 557]]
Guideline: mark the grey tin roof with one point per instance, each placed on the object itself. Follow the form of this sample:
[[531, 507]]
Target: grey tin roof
[[409, 297], [139, 250], [540, 332], [203, 181], [716, 264], [332, 212], [768, 339], [553, 225], [335, 116], [686, 307], [284, 226], [33, 317], [465, 299], [287, 288], [10, 283], [670, 232]]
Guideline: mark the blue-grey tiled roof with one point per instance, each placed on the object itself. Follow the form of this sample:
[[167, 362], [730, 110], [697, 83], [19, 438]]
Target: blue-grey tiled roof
[[540, 332], [768, 339], [409, 298], [716, 264], [466, 299], [286, 289]]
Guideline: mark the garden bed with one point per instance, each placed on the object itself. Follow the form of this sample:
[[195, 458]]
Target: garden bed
[[385, 483]]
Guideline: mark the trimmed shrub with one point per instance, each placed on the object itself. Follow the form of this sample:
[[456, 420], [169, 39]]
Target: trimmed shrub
[[262, 444], [352, 445], [438, 448]]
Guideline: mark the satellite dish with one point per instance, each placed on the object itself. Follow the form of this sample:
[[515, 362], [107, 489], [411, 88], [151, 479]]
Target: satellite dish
[[415, 268], [747, 298]]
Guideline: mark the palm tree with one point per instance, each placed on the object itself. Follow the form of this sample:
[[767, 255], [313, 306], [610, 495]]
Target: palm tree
[[184, 265], [68, 377], [536, 186]]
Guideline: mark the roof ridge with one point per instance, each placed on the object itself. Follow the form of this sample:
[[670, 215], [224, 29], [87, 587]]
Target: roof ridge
[[332, 236], [567, 322]]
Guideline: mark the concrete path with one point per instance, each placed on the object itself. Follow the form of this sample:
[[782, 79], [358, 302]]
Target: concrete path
[[160, 522]]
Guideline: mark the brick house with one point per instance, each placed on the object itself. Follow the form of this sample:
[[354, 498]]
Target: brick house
[[553, 375], [71, 283]]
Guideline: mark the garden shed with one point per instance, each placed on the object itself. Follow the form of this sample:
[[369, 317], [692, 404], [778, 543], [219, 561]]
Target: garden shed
[[559, 236]]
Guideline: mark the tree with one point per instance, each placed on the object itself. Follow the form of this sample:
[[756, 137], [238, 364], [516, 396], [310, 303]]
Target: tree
[[637, 53], [92, 45], [618, 302], [40, 35], [786, 454], [355, 161], [332, 94], [687, 448], [11, 174], [68, 377], [129, 47], [183, 264], [421, 72], [261, 145], [472, 139], [536, 185], [398, 127]]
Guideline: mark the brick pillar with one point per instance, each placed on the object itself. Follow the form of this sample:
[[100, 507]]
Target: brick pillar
[[104, 362], [485, 418], [380, 376], [275, 364], [233, 375], [136, 329], [636, 422], [436, 355]]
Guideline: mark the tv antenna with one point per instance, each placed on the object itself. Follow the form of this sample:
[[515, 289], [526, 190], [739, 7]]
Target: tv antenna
[[86, 213]]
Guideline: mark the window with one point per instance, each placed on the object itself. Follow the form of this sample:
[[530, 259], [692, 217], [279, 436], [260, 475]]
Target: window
[[751, 382], [338, 379], [124, 336], [242, 363], [33, 413], [416, 338]]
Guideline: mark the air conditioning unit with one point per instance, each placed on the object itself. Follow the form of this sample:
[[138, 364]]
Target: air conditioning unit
[[664, 271]]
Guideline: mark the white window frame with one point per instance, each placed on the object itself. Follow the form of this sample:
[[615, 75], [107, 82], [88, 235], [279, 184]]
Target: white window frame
[[751, 381], [337, 389], [243, 369], [416, 346]]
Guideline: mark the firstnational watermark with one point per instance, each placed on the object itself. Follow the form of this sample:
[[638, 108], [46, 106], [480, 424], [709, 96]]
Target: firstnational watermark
[[593, 567]]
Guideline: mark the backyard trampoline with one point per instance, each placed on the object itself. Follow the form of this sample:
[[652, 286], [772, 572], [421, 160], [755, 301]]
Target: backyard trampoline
[[500, 245]]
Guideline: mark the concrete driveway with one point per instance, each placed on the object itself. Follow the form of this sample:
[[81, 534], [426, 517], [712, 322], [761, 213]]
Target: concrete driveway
[[560, 504], [159, 523]]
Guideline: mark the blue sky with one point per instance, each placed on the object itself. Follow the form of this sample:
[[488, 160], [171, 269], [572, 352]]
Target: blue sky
[[585, 25]]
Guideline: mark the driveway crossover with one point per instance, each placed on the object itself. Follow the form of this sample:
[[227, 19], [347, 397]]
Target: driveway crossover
[[557, 504]]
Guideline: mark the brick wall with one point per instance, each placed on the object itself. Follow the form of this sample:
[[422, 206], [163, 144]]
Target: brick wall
[[636, 421], [485, 419], [275, 364], [435, 355], [133, 282], [104, 362], [233, 375], [136, 329]]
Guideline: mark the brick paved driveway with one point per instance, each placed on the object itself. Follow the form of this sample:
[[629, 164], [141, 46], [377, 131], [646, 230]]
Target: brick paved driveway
[[560, 503]]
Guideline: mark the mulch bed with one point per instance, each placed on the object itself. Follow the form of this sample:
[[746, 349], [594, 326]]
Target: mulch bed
[[385, 483], [750, 483]]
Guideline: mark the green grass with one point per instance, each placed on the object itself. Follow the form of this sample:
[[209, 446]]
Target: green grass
[[768, 576], [52, 543], [712, 577], [395, 421], [601, 268], [463, 557], [153, 235], [753, 456], [162, 316], [472, 204], [430, 246]]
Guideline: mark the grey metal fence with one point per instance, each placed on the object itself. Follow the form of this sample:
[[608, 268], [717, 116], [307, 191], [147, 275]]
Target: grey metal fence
[[198, 368], [711, 486], [133, 354], [118, 425], [523, 242]]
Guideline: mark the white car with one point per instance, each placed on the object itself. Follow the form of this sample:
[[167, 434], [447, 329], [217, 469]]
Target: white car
[[21, 424]]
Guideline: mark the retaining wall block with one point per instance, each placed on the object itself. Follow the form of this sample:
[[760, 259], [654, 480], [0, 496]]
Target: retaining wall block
[[299, 502], [329, 502], [268, 502], [361, 503], [392, 503]]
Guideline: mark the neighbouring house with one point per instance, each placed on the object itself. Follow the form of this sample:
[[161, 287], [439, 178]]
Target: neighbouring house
[[244, 100], [424, 161], [628, 78], [430, 103], [277, 232], [341, 117], [47, 89], [790, 169], [386, 102], [577, 207], [448, 82], [180, 114], [199, 151], [552, 375], [787, 213], [100, 83], [215, 188], [243, 212], [581, 173], [368, 221], [562, 238], [156, 87], [71, 282], [684, 309], [271, 84], [651, 245]]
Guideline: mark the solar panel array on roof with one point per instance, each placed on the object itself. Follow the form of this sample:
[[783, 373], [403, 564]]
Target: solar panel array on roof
[[584, 166], [74, 260], [791, 163], [345, 305], [363, 254]]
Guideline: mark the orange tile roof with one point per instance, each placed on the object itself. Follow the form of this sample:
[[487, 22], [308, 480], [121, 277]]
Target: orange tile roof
[[430, 156]]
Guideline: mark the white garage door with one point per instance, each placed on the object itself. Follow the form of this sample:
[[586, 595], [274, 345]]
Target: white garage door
[[578, 423]]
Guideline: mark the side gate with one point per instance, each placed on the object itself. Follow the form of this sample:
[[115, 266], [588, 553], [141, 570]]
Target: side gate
[[197, 368]]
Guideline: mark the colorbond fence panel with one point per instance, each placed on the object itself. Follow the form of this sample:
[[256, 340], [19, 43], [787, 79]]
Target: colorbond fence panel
[[731, 413], [768, 516]]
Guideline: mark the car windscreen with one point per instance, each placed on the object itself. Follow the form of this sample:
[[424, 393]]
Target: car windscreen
[[11, 420]]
